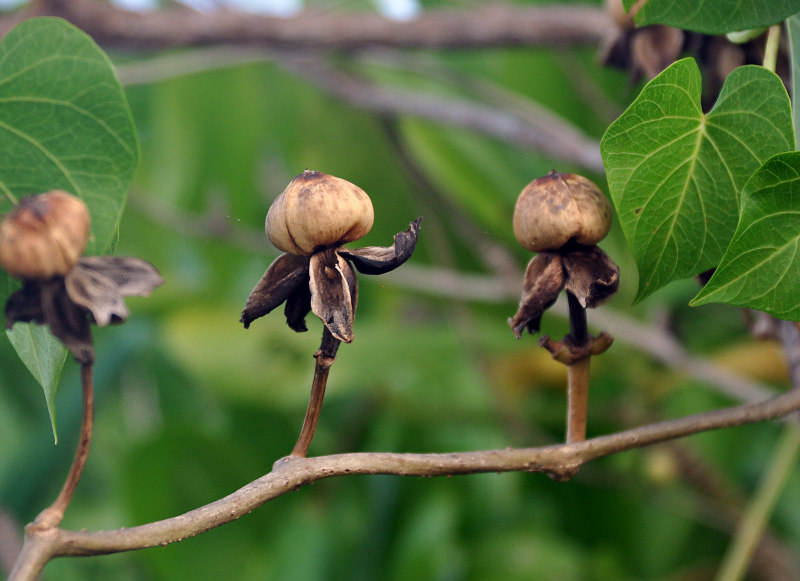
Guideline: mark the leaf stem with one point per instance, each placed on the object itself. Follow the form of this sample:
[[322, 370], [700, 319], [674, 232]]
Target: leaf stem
[[325, 357], [51, 516], [771, 47]]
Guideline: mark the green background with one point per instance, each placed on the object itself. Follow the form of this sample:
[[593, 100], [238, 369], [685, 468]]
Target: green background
[[190, 406]]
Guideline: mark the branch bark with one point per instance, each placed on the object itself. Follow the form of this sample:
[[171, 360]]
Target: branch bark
[[477, 26], [290, 473]]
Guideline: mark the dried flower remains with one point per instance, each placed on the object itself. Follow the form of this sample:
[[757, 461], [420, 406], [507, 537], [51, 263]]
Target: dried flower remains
[[562, 217], [41, 241], [310, 221]]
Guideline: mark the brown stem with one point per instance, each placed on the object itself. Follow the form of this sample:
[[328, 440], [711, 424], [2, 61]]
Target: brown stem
[[292, 473], [577, 373], [474, 26], [578, 329], [52, 515], [325, 357], [578, 399]]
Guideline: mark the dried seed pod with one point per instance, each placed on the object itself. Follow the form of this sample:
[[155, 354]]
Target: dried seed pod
[[44, 235], [317, 210], [559, 208]]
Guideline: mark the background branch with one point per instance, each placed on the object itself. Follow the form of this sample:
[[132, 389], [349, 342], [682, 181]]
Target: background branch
[[477, 26], [546, 132], [528, 126]]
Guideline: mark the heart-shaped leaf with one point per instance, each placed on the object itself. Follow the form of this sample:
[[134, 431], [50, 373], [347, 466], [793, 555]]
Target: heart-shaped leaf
[[64, 123], [761, 268], [675, 173], [713, 16]]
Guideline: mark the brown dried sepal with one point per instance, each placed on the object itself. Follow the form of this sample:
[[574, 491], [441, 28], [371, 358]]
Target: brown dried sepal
[[654, 48], [544, 279], [325, 283], [285, 277], [92, 290], [334, 293], [585, 271], [591, 275], [100, 283], [47, 303], [382, 259]]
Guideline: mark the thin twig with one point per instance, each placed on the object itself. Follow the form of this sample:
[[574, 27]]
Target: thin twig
[[291, 473], [39, 548], [10, 543], [577, 373], [52, 515], [491, 25], [325, 357], [577, 399], [550, 135], [525, 124]]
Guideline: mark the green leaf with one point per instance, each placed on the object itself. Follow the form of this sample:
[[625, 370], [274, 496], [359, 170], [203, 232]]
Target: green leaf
[[64, 124], [675, 173], [793, 32], [44, 356], [761, 268], [713, 16]]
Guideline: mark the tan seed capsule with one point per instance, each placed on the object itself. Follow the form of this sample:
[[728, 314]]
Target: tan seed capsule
[[558, 208], [44, 235], [317, 210]]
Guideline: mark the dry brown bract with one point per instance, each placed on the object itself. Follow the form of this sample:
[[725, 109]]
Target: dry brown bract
[[92, 291], [585, 271]]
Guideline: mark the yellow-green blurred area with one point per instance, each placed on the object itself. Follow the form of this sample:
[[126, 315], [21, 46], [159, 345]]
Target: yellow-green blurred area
[[191, 406]]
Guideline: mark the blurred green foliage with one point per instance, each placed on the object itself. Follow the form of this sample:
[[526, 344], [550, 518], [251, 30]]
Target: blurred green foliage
[[191, 406]]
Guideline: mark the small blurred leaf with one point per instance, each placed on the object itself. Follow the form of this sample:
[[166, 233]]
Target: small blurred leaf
[[713, 16], [761, 268], [64, 123], [675, 173], [44, 356]]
